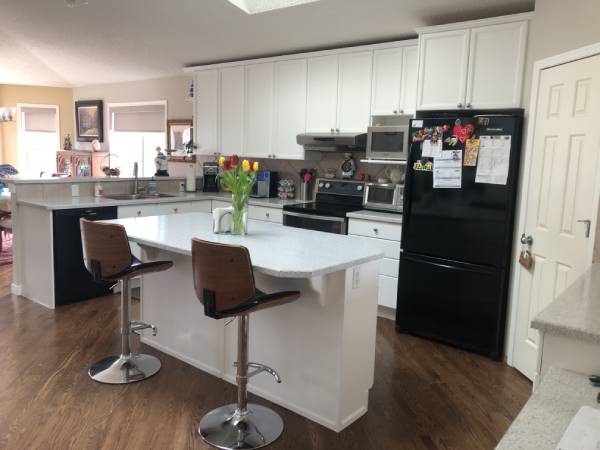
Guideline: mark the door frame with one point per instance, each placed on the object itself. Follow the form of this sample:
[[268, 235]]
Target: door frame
[[20, 156], [523, 193]]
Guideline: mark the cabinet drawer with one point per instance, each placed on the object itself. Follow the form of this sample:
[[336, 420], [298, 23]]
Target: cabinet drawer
[[173, 208], [390, 249], [136, 211], [219, 204], [388, 291], [274, 215], [201, 206], [379, 230], [389, 267]]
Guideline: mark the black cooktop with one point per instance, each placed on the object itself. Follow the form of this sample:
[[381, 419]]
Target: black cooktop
[[322, 209]]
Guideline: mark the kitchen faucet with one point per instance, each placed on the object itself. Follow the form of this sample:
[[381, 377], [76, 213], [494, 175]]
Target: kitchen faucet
[[135, 178]]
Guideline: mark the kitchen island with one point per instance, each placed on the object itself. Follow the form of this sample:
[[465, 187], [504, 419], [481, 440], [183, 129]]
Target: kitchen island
[[323, 344]]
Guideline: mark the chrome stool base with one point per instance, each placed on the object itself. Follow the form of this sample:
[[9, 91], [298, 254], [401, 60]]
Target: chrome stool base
[[226, 429], [124, 369]]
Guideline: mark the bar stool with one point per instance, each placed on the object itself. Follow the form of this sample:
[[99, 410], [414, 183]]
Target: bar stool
[[224, 283], [107, 257]]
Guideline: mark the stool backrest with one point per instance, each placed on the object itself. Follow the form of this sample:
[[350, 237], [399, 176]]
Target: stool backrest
[[105, 247], [223, 275]]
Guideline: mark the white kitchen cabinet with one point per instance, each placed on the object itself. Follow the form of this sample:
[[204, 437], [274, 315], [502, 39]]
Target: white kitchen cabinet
[[496, 64], [258, 117], [206, 111], [322, 94], [231, 126], [265, 213], [410, 69], [388, 291], [290, 108], [443, 59], [173, 208], [201, 206], [387, 81], [354, 91], [124, 212]]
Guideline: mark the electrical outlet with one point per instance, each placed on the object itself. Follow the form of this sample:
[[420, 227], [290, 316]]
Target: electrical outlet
[[74, 190], [355, 278]]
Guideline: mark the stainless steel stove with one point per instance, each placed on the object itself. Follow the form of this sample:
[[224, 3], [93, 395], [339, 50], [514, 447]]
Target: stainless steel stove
[[333, 200]]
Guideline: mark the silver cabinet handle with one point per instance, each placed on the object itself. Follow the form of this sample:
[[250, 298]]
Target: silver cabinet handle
[[588, 225], [332, 130], [468, 105], [337, 130], [460, 105], [375, 230]]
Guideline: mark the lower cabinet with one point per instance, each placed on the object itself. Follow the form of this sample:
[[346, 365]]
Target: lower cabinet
[[274, 215]]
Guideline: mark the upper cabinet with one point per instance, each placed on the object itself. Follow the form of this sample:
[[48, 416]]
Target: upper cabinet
[[231, 112], [206, 111], [322, 93], [258, 130], [475, 64]]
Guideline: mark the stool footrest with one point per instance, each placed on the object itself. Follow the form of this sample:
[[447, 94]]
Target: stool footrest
[[136, 327], [259, 368]]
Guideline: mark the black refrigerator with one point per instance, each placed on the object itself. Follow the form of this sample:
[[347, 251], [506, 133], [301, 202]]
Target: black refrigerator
[[457, 227]]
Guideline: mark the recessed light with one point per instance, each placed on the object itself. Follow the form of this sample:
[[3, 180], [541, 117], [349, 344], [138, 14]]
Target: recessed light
[[260, 6]]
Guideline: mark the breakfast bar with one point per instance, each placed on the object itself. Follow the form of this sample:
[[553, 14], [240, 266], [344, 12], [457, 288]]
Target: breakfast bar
[[322, 345]]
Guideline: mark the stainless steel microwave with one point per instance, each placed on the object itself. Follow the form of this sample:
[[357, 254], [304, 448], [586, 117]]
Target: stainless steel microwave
[[388, 142], [384, 196]]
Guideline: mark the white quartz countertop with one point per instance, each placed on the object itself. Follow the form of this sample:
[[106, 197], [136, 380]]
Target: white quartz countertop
[[275, 250], [94, 202], [375, 215], [546, 416], [576, 312], [60, 180]]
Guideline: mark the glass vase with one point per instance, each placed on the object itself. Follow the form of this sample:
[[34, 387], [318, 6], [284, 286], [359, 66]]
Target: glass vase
[[240, 214]]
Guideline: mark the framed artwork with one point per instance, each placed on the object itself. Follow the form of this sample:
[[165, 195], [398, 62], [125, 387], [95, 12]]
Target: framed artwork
[[89, 116], [179, 133]]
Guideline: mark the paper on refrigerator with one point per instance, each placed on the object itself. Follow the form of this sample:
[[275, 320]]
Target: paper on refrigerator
[[447, 170], [493, 160], [432, 148]]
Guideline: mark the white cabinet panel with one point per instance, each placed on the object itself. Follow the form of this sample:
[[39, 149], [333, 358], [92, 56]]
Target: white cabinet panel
[[232, 110], [354, 91], [443, 59], [258, 130], [379, 230], [206, 111], [496, 61], [201, 206], [219, 204], [322, 92], [274, 215], [124, 212], [387, 81], [389, 267], [290, 108], [390, 249], [388, 291], [410, 71], [173, 208]]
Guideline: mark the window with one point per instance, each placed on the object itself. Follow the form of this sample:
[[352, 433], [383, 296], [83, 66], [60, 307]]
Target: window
[[38, 139], [136, 129]]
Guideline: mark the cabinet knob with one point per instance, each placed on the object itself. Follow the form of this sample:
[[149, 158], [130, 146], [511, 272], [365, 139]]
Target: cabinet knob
[[395, 111], [401, 111], [337, 130], [460, 105], [468, 105], [176, 209], [139, 213], [332, 130], [267, 214], [375, 230]]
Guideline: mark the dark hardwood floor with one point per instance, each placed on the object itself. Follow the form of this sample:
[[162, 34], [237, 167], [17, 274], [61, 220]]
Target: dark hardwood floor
[[426, 395]]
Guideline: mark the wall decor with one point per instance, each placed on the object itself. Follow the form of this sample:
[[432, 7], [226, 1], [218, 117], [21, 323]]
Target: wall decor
[[179, 133], [90, 120]]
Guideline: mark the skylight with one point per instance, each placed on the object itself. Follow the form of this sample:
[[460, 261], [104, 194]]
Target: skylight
[[260, 6]]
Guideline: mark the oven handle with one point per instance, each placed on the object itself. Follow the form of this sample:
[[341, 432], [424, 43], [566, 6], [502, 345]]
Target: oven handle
[[313, 216]]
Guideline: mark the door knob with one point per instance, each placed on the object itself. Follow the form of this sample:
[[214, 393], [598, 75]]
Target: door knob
[[526, 240], [588, 225]]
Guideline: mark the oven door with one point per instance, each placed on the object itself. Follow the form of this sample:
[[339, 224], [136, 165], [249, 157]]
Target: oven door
[[337, 225], [388, 142]]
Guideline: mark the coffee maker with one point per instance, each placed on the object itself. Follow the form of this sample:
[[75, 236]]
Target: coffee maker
[[210, 174]]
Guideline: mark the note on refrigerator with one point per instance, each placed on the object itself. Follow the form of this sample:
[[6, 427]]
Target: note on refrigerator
[[432, 148], [447, 170], [493, 159]]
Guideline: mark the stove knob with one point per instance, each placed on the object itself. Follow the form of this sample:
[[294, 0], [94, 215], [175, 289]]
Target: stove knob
[[327, 185], [359, 187], [321, 184]]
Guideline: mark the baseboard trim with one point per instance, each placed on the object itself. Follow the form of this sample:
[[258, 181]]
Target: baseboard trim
[[386, 313]]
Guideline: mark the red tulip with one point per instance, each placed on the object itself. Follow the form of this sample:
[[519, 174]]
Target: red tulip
[[227, 164], [235, 160]]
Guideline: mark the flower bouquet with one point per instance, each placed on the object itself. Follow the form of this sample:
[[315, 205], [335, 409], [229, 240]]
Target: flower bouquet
[[239, 179]]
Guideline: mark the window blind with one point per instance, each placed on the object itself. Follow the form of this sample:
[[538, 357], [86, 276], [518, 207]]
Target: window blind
[[140, 118], [39, 119]]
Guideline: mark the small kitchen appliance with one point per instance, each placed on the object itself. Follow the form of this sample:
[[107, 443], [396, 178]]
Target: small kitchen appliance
[[210, 174], [266, 184], [389, 142], [384, 196]]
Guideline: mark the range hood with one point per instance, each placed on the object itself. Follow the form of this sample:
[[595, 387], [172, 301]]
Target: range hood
[[332, 142]]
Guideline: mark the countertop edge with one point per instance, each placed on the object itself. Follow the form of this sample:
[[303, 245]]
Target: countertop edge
[[546, 326]]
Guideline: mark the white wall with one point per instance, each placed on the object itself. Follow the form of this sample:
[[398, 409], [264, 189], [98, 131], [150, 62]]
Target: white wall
[[173, 89]]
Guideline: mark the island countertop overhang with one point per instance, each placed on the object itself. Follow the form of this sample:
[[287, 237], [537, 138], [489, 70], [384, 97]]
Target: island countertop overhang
[[275, 250]]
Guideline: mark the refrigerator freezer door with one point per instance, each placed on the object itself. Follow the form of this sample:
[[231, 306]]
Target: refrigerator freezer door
[[452, 302]]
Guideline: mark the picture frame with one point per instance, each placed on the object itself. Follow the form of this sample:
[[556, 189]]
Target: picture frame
[[89, 118], [179, 132]]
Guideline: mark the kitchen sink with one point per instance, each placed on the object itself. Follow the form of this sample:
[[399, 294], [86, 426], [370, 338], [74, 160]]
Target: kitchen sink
[[136, 196]]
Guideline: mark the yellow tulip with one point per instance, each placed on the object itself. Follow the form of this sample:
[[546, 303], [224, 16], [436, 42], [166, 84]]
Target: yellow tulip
[[221, 161], [255, 166], [245, 165]]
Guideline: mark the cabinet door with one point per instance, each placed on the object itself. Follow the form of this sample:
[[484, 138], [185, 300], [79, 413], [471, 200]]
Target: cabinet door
[[322, 91], [290, 108], [387, 80], [206, 111], [259, 110], [443, 59], [232, 110], [496, 61], [354, 91], [410, 70], [201, 206], [124, 212], [173, 208]]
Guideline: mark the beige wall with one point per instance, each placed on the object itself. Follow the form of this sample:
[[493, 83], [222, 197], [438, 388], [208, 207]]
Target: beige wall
[[173, 90], [11, 94]]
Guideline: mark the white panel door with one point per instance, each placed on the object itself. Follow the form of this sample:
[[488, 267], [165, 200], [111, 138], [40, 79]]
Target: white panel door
[[562, 193], [443, 59], [290, 108], [387, 81], [354, 91], [496, 61], [232, 110], [206, 111], [322, 93], [410, 70], [258, 131]]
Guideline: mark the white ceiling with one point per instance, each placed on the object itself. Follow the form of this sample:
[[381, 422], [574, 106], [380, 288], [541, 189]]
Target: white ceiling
[[44, 42]]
